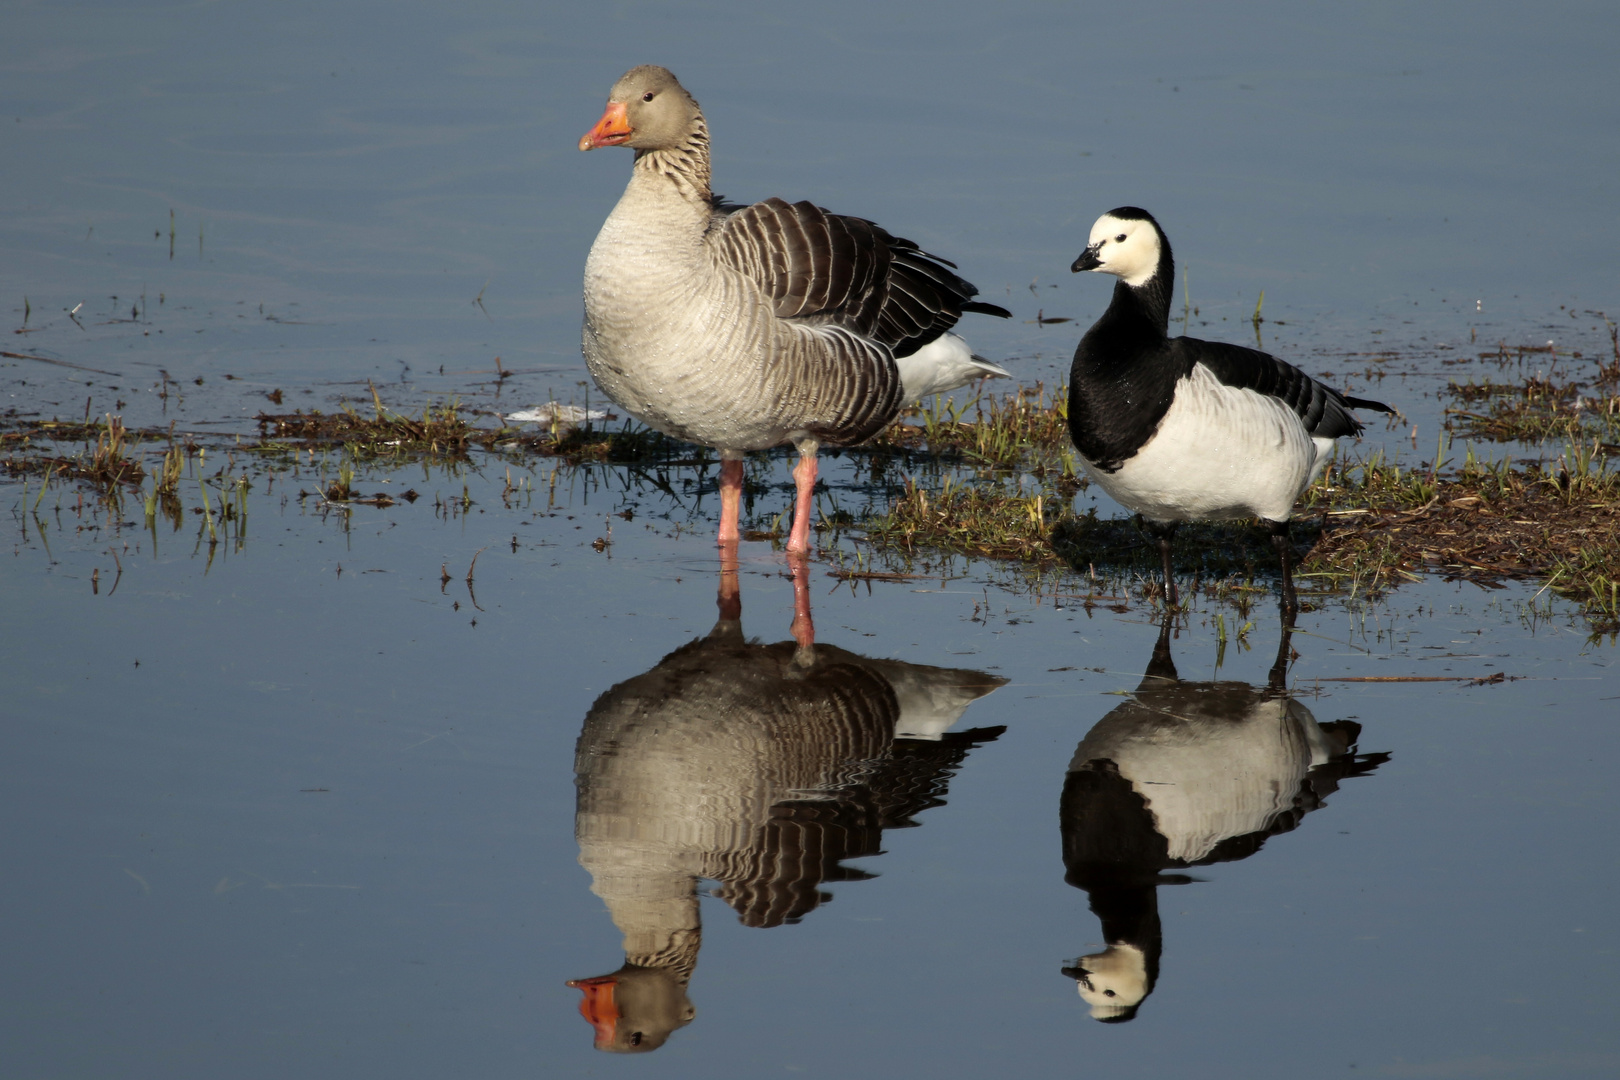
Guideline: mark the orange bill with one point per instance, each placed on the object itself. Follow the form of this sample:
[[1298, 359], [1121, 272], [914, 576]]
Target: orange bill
[[611, 130]]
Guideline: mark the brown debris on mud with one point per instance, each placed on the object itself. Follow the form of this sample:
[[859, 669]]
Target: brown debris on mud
[[446, 431], [1484, 523], [108, 463]]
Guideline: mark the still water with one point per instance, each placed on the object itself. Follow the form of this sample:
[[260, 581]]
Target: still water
[[308, 801]]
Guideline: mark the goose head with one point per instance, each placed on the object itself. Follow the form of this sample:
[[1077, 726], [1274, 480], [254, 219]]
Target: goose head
[[635, 1009], [1113, 982], [647, 109], [1127, 243]]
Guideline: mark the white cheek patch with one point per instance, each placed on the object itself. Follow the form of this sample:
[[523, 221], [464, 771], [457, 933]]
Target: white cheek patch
[[1135, 259]]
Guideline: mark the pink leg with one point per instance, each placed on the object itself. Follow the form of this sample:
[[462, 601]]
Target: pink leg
[[730, 599], [804, 628], [804, 478], [731, 485]]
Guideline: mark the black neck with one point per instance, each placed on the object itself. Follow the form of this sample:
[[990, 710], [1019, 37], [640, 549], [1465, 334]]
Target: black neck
[[1147, 304], [1123, 378]]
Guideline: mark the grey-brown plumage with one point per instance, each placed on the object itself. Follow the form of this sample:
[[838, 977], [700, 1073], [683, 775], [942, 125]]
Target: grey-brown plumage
[[831, 269], [762, 768], [746, 327]]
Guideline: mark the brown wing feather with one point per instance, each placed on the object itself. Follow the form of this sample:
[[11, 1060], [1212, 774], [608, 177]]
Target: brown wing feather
[[847, 271]]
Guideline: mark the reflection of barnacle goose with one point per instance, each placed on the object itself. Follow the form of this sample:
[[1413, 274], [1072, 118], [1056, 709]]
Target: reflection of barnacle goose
[[760, 767], [1178, 429], [1184, 774], [746, 327]]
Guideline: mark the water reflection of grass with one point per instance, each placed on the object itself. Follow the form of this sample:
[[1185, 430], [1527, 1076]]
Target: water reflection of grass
[[1571, 398]]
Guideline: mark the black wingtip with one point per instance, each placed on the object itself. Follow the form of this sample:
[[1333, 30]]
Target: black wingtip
[[986, 309]]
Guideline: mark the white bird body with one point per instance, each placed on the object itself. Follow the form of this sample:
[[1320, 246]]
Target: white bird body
[[1220, 452], [941, 366], [553, 412], [1212, 760]]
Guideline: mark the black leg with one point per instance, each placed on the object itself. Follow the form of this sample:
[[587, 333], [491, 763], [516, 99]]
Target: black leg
[[1163, 532], [1162, 668], [1284, 543], [1277, 682]]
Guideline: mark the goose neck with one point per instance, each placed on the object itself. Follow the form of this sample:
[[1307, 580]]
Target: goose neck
[[685, 166], [1144, 306]]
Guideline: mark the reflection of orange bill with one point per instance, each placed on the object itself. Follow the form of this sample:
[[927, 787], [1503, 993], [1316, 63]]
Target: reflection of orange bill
[[598, 1005]]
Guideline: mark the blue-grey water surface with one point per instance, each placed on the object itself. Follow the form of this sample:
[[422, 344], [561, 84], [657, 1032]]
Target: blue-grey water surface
[[304, 803]]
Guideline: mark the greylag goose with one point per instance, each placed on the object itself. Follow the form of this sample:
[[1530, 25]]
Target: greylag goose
[[1178, 429], [760, 767], [1184, 774], [747, 327]]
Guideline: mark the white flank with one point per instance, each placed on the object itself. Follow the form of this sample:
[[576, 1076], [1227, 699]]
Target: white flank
[[1220, 452], [552, 412], [931, 699], [1208, 777], [943, 364]]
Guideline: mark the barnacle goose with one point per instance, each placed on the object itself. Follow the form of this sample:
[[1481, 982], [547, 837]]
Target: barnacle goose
[[1179, 429], [1185, 774]]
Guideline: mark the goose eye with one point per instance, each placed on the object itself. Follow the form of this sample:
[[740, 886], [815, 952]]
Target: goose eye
[[635, 1036], [1120, 239], [1108, 993], [648, 96]]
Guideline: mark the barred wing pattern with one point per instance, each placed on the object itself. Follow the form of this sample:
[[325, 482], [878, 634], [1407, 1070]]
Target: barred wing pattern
[[730, 761], [822, 267]]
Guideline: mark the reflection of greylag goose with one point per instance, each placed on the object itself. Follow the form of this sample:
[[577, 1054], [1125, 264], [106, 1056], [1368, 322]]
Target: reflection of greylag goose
[[1179, 429], [1184, 774], [760, 767], [746, 327]]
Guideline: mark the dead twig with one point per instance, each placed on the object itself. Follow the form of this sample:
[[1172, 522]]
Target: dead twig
[[470, 594], [48, 360]]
